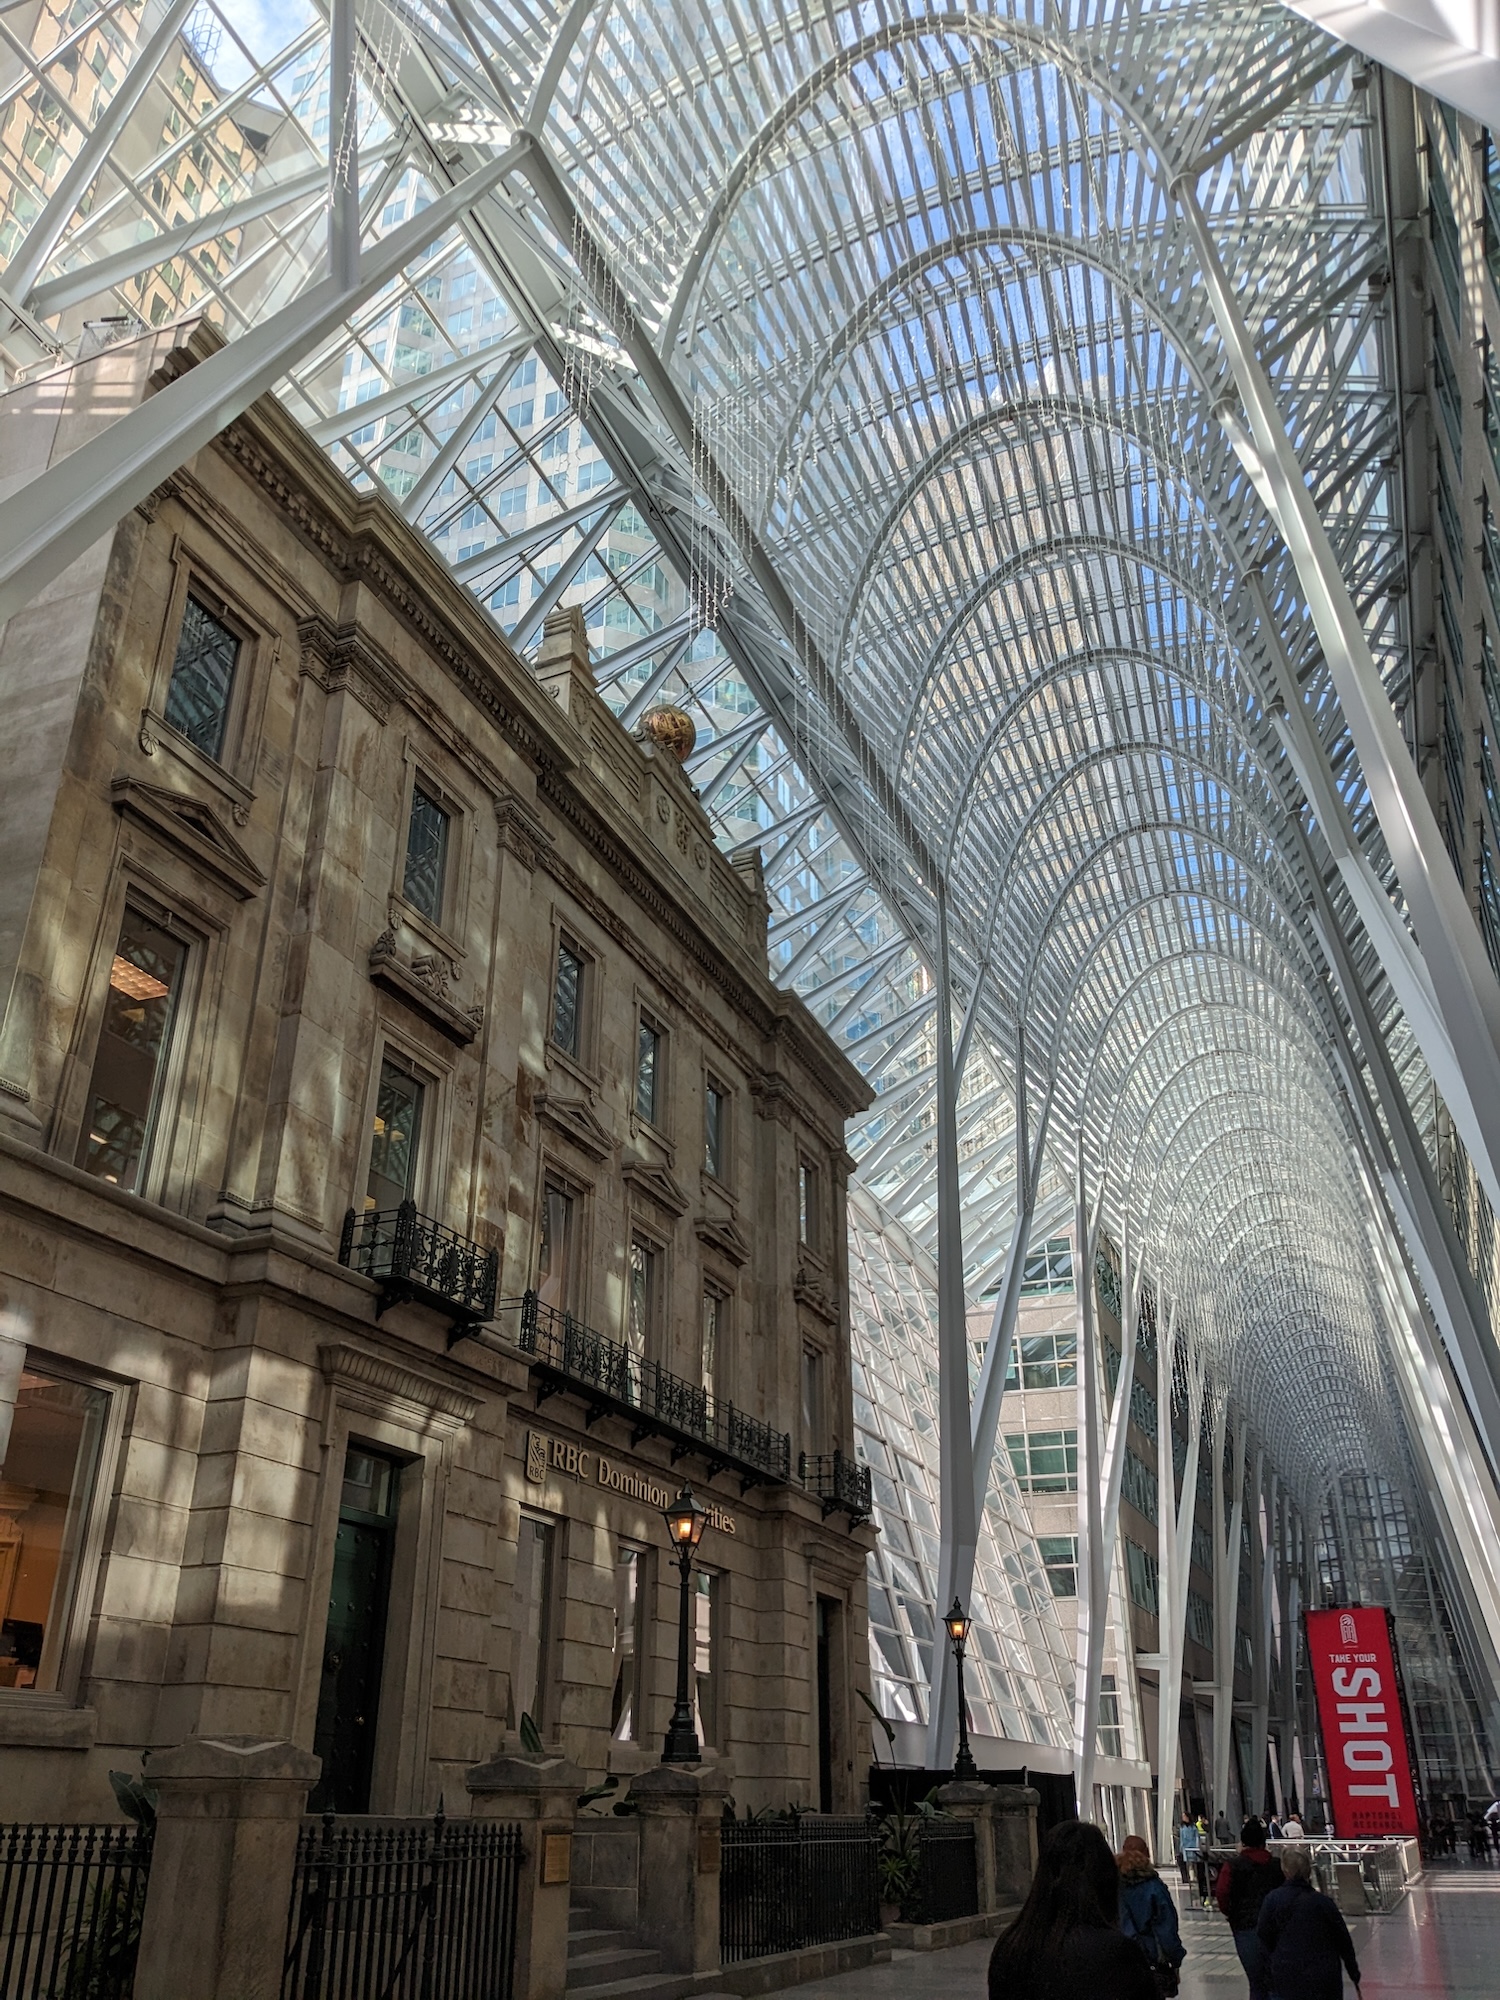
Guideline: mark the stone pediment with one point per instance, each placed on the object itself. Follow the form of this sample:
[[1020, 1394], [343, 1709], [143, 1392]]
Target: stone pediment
[[573, 1119], [423, 985], [656, 1184], [723, 1234], [193, 828]]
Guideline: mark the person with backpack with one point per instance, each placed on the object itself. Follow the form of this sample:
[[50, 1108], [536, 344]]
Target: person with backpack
[[1148, 1914], [1067, 1944], [1305, 1937], [1240, 1888], [1187, 1847]]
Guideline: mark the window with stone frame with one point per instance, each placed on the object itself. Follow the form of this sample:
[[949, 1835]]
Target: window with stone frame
[[48, 1486], [557, 1246], [429, 829], [131, 1059], [203, 675], [396, 1135], [716, 1129], [808, 1219], [650, 1072], [571, 981]]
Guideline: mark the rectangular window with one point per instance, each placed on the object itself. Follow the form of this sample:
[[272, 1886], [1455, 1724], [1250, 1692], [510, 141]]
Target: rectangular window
[[145, 980], [46, 1489], [1049, 1269], [202, 678], [642, 1297], [555, 1257], [1059, 1558], [626, 1723], [1044, 1361], [714, 1306], [648, 1068], [396, 1137], [1044, 1461], [567, 1000], [1141, 1573], [814, 1438], [715, 1130], [705, 1652], [531, 1622], [1138, 1485], [426, 855], [1110, 1735], [807, 1205], [1445, 381], [1444, 229]]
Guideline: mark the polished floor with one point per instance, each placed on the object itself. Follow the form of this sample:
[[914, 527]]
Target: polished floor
[[1443, 1943]]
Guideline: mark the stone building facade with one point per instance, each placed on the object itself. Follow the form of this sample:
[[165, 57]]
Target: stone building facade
[[359, 974]]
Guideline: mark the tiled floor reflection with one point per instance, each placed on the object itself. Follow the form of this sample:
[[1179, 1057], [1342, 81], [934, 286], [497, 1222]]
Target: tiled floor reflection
[[1442, 1944]]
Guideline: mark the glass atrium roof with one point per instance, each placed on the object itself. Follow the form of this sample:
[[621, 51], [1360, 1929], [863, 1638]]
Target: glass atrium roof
[[852, 367]]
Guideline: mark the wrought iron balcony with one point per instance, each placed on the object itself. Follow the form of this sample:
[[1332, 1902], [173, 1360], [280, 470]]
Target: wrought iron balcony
[[615, 1381], [413, 1258], [842, 1484]]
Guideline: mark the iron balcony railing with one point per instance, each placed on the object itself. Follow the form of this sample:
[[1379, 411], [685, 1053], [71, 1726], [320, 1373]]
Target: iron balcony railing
[[619, 1382], [71, 1899], [842, 1484], [790, 1883], [412, 1257]]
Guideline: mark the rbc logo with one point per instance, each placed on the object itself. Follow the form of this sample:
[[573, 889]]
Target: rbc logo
[[1348, 1631]]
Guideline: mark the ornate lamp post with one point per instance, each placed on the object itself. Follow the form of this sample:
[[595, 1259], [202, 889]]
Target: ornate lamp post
[[959, 1628], [686, 1519]]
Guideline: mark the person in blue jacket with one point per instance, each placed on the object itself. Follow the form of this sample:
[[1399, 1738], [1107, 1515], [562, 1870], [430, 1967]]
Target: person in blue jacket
[[1148, 1914], [1305, 1936]]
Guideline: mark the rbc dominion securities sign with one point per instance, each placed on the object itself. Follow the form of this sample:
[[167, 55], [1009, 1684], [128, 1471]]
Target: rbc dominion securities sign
[[1364, 1730]]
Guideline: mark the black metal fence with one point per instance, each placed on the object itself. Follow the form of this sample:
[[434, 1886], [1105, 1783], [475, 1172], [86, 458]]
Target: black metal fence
[[414, 1257], [403, 1910], [840, 1483], [657, 1402], [947, 1872], [790, 1883], [71, 1900]]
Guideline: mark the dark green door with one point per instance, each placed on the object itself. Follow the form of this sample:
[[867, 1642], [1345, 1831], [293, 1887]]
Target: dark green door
[[354, 1643]]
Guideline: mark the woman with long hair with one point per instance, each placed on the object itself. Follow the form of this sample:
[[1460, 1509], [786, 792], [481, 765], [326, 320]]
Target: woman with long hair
[[1067, 1943]]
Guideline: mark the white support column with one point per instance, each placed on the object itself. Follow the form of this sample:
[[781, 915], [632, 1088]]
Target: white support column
[[1092, 1575], [1289, 1612], [1262, 1582], [343, 146], [1226, 1599], [1464, 988], [1094, 1609], [958, 1520], [1174, 1546]]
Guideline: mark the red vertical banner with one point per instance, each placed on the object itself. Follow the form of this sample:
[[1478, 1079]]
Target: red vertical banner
[[1364, 1730]]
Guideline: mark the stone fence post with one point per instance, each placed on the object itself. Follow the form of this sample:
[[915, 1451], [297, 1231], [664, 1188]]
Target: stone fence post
[[968, 1799], [542, 1794], [227, 1816], [1013, 1810], [681, 1809]]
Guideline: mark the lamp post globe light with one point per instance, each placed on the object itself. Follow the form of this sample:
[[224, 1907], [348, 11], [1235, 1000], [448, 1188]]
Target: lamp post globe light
[[686, 1519], [959, 1627]]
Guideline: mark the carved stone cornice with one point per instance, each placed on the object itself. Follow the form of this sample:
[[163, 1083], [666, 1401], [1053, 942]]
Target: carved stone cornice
[[423, 985], [721, 1234], [521, 832], [645, 1177], [574, 1121], [341, 659], [193, 828], [348, 1367], [774, 1097]]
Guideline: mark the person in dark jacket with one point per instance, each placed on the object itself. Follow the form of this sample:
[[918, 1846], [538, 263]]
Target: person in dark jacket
[[1067, 1941], [1305, 1937], [1240, 1888], [1148, 1914]]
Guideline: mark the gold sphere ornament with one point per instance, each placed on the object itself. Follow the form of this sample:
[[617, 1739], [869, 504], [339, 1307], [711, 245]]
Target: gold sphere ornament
[[672, 730]]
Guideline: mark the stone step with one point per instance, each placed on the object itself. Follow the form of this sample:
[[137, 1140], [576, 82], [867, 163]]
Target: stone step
[[595, 1934], [650, 1986], [588, 1970]]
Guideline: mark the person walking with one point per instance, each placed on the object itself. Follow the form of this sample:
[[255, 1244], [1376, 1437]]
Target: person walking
[[1148, 1914], [1067, 1942], [1200, 1861], [1223, 1831], [1291, 1826], [1306, 1940], [1187, 1848], [1241, 1887]]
